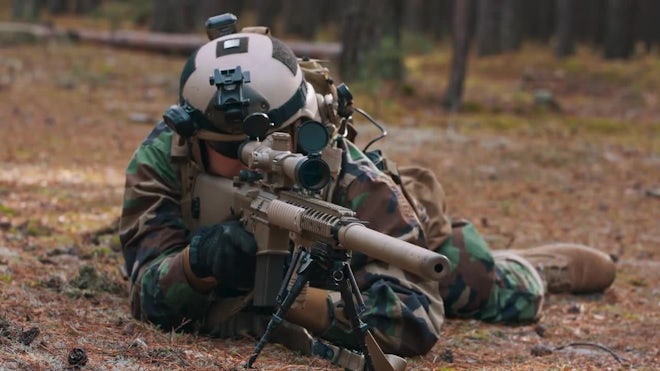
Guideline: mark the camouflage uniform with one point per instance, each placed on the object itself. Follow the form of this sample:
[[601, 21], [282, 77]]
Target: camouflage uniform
[[404, 313]]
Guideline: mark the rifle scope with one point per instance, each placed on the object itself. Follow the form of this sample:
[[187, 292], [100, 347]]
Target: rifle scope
[[281, 167]]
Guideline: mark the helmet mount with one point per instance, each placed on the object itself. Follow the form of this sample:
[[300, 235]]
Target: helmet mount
[[229, 98]]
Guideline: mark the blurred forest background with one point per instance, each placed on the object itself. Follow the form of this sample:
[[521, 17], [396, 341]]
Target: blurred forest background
[[541, 119], [376, 35]]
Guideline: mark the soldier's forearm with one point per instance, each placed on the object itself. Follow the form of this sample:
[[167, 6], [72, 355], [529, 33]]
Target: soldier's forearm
[[163, 295]]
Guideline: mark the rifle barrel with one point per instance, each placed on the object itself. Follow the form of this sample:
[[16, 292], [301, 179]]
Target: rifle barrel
[[405, 255]]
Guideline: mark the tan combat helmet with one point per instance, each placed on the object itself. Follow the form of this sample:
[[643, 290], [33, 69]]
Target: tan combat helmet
[[241, 83]]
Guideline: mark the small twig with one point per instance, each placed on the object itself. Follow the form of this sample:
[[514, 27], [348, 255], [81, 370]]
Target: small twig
[[175, 330], [43, 346], [73, 329], [595, 345]]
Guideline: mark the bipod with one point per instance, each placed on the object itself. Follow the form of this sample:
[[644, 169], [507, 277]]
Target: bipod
[[323, 267]]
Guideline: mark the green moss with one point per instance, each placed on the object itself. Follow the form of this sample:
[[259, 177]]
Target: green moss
[[480, 334], [7, 211], [506, 207], [613, 73], [471, 107], [415, 43], [575, 66], [602, 125], [101, 251], [89, 282], [6, 278], [35, 228], [505, 122]]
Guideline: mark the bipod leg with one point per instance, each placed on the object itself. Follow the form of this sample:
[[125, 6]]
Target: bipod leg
[[297, 257], [277, 318], [354, 306]]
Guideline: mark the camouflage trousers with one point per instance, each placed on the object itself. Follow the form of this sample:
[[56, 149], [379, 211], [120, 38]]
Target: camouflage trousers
[[491, 286]]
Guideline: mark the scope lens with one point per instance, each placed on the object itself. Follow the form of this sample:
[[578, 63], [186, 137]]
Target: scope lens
[[312, 137], [313, 174]]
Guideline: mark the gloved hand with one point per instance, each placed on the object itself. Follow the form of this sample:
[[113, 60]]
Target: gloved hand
[[225, 251]]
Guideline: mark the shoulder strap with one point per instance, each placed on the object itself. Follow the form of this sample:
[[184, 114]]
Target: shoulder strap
[[182, 153]]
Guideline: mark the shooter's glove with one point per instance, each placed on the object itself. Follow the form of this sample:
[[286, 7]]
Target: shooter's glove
[[226, 252]]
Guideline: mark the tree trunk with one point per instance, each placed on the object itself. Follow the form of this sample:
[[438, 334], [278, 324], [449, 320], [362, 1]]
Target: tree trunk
[[461, 36], [302, 18], [267, 12], [565, 44], [618, 30], [488, 25], [510, 30], [58, 6], [201, 10], [331, 11], [360, 31], [235, 7], [370, 39], [85, 6], [591, 16], [428, 17], [393, 58], [163, 21], [648, 30], [413, 19], [439, 17], [538, 16], [26, 10]]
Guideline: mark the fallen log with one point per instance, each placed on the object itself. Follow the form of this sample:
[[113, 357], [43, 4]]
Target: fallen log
[[154, 41]]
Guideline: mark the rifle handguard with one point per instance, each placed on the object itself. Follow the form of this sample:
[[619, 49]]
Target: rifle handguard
[[405, 255]]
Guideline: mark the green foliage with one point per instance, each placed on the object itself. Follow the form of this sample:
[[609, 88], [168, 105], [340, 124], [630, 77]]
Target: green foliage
[[4, 325], [521, 101], [602, 125], [575, 66], [94, 72], [479, 334], [471, 107], [383, 62], [7, 211], [6, 278], [642, 74], [615, 73], [407, 89], [501, 122], [506, 207], [101, 251], [414, 43], [35, 228], [89, 281]]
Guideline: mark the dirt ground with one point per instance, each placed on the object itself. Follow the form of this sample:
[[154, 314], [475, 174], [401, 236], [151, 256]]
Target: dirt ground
[[582, 165]]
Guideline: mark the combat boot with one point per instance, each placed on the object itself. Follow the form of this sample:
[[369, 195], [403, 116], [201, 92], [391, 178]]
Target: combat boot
[[573, 268]]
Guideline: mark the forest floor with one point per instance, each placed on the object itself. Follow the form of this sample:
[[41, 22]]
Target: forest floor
[[544, 151]]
